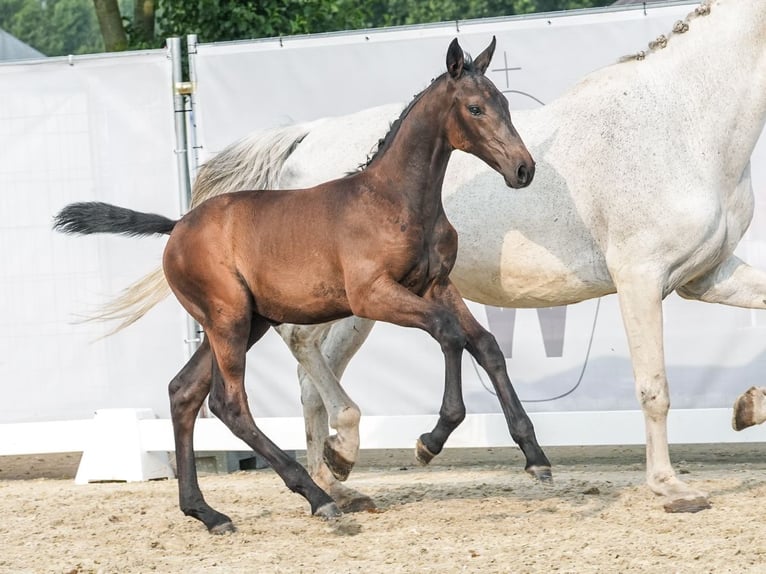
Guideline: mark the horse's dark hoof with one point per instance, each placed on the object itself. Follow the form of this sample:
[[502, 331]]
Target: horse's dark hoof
[[339, 466], [542, 474], [687, 504], [422, 454], [328, 510], [224, 528]]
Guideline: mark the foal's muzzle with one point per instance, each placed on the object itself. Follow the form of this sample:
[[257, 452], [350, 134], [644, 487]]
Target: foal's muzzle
[[522, 175]]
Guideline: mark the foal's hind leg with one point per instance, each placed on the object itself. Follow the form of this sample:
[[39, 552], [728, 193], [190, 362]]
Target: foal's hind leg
[[229, 337], [483, 346], [188, 390]]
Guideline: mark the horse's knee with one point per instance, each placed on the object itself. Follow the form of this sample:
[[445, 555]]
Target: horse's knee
[[449, 333], [653, 396]]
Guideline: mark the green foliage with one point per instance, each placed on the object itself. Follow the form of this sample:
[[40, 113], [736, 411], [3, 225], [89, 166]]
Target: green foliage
[[60, 27], [214, 20], [54, 27]]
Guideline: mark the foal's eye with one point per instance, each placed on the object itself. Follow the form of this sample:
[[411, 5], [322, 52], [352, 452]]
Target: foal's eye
[[475, 110]]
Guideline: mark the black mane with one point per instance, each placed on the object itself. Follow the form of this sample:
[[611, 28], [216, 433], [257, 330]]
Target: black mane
[[385, 142]]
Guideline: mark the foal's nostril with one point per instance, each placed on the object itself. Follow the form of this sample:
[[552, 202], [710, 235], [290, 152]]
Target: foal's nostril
[[525, 173], [522, 173]]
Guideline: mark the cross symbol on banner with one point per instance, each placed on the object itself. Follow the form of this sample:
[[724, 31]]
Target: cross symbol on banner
[[506, 69]]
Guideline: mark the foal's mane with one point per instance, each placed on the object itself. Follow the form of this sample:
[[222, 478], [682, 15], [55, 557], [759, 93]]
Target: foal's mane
[[680, 27], [385, 142]]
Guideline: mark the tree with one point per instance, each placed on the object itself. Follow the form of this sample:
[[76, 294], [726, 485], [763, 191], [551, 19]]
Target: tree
[[54, 27], [60, 27], [110, 22]]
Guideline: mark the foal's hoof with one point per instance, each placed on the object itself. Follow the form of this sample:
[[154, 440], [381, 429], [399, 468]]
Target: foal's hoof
[[687, 504], [328, 511], [339, 466], [541, 473], [223, 528], [422, 454]]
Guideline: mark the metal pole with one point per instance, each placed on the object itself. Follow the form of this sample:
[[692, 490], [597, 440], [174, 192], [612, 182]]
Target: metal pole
[[180, 91], [191, 48]]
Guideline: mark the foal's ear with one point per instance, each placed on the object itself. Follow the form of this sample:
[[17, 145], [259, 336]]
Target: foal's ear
[[482, 60], [455, 59]]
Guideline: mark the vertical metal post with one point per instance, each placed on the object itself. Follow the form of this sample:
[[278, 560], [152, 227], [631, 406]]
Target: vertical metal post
[[191, 136], [181, 90]]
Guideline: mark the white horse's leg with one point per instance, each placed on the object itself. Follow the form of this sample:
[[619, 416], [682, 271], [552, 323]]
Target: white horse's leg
[[640, 298], [735, 283], [317, 431], [749, 408], [319, 373], [341, 450]]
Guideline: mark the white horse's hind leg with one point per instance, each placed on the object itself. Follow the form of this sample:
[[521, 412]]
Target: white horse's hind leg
[[641, 305], [735, 283], [317, 431], [340, 450], [319, 373], [749, 409]]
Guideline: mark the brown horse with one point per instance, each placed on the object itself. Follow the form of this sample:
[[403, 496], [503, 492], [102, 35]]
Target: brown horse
[[376, 244]]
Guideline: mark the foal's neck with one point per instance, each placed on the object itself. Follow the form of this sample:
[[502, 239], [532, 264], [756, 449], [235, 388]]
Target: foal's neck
[[412, 166]]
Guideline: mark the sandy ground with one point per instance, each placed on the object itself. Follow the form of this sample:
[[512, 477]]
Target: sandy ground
[[473, 510]]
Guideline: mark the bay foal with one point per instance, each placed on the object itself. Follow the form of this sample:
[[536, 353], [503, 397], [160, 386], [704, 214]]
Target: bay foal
[[376, 244]]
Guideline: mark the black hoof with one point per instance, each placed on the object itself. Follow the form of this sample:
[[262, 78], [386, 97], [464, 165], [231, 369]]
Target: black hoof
[[339, 466], [542, 474], [687, 504], [422, 454], [328, 511]]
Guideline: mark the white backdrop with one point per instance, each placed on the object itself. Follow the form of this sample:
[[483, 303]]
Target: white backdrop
[[93, 128], [102, 128], [580, 351]]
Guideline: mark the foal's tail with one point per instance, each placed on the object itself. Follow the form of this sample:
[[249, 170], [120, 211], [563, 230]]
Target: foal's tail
[[96, 217], [254, 162]]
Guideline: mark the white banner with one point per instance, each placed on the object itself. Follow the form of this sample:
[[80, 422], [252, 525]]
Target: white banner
[[89, 128], [560, 359]]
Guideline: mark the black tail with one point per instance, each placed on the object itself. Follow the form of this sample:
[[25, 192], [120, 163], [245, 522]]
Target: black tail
[[96, 217]]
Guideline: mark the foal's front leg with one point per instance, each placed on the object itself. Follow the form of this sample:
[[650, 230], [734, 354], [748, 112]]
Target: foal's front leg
[[388, 301], [483, 346]]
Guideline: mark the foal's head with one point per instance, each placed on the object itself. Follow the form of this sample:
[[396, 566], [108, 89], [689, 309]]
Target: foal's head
[[480, 122]]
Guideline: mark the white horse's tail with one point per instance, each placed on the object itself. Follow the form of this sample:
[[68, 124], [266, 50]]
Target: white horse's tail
[[254, 162]]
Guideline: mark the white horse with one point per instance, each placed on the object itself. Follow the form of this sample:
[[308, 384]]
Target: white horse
[[642, 188]]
